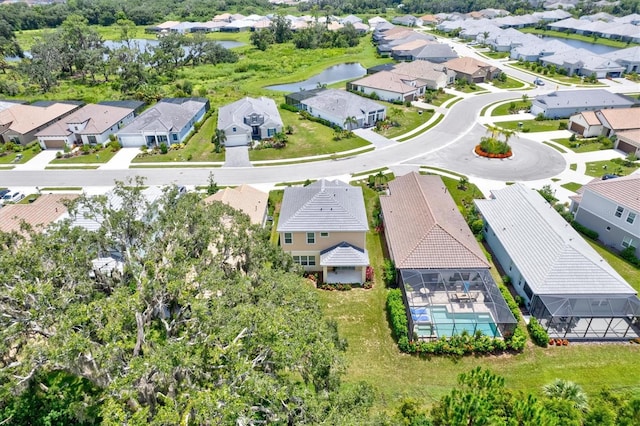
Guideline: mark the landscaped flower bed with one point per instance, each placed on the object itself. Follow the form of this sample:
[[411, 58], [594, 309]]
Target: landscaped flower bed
[[482, 153]]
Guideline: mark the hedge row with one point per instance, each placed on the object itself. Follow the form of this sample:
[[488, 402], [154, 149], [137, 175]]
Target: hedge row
[[590, 233], [537, 333], [458, 345], [519, 337]]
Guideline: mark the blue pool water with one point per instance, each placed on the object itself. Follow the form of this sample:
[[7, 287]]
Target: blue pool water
[[448, 324]]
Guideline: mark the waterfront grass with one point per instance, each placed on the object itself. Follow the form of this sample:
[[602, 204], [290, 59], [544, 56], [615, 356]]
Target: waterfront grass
[[589, 39]]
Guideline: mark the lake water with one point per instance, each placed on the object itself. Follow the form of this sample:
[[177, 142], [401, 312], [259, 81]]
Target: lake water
[[142, 44], [598, 49], [331, 75]]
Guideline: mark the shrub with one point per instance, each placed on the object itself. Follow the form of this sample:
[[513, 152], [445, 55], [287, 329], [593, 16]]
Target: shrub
[[629, 254], [572, 138], [397, 315], [164, 148], [562, 125], [540, 117], [589, 233], [537, 333], [389, 272], [288, 107]]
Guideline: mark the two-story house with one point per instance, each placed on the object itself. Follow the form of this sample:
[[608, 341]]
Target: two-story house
[[324, 227], [611, 208], [249, 119]]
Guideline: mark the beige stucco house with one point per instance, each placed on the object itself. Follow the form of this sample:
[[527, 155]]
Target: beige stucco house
[[324, 227]]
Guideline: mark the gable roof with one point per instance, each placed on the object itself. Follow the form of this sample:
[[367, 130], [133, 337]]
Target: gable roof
[[325, 205], [168, 115], [245, 198], [422, 69], [342, 104], [425, 228], [99, 119], [434, 50], [344, 254], [390, 81], [26, 118], [551, 256], [630, 54], [590, 118], [624, 190], [468, 65]]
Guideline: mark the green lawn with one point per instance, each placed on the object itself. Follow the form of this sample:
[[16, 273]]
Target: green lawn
[[556, 147], [509, 84], [513, 105], [308, 138], [102, 156], [599, 168], [572, 186], [532, 125], [468, 89], [581, 145], [408, 117], [562, 79], [198, 148], [440, 98], [628, 271], [573, 166], [495, 55], [10, 158], [373, 356]]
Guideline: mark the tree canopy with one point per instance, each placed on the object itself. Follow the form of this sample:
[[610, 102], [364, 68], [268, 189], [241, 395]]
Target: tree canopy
[[205, 323]]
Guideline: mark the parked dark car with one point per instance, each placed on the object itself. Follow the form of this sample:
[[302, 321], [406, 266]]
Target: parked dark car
[[609, 176]]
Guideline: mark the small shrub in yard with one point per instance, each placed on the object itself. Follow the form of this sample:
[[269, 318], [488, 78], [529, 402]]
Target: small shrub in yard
[[164, 148], [389, 272], [397, 315], [562, 125], [589, 233], [629, 254], [538, 335]]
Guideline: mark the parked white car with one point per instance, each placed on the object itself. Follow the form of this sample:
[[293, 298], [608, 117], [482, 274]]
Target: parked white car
[[12, 197]]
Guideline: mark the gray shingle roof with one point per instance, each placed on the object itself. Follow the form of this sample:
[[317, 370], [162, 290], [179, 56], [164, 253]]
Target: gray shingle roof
[[552, 257], [343, 104], [325, 205], [344, 254], [167, 115], [425, 228], [233, 114], [580, 98]]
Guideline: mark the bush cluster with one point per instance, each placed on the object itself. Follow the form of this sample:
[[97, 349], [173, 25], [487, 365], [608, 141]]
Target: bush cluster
[[537, 333], [337, 286], [288, 107], [397, 316], [589, 233], [305, 115], [629, 254]]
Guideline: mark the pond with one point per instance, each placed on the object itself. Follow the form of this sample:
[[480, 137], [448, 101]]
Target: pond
[[142, 44], [331, 75], [598, 49]]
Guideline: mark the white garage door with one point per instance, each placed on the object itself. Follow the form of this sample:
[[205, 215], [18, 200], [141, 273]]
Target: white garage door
[[236, 140]]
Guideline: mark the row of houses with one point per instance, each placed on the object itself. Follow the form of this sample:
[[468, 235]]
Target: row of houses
[[404, 44], [408, 81], [442, 271], [622, 124], [56, 125]]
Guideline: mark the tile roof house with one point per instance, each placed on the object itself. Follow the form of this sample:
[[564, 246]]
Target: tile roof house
[[245, 198], [19, 123], [472, 70], [390, 86], [628, 141], [435, 75], [249, 119], [567, 285], [563, 104], [586, 124], [92, 124], [611, 208], [344, 109], [168, 122], [324, 227], [424, 228], [46, 209], [619, 119]]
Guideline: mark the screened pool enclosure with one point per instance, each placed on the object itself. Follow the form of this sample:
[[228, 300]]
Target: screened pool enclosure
[[446, 302], [588, 317]]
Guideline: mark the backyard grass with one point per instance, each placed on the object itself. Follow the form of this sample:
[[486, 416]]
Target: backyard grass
[[510, 83], [309, 138], [513, 105], [198, 148], [599, 168], [581, 145], [572, 186], [373, 356], [628, 271], [533, 125], [99, 157], [408, 119]]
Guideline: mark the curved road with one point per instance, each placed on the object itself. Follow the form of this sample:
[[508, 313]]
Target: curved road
[[446, 145]]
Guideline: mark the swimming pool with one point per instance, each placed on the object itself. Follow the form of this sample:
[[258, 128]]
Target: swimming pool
[[447, 323]]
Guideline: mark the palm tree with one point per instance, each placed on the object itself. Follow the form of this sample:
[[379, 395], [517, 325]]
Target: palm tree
[[350, 122], [219, 138], [566, 390]]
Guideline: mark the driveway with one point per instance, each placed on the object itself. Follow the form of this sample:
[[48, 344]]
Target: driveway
[[39, 162], [376, 139], [121, 160], [237, 156]]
